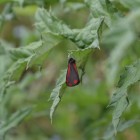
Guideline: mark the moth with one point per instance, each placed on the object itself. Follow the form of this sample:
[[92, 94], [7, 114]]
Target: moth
[[72, 76]]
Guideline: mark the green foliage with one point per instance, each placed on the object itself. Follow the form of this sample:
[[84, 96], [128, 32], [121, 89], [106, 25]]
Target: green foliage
[[122, 36], [119, 99], [56, 95], [87, 38], [102, 36], [13, 120]]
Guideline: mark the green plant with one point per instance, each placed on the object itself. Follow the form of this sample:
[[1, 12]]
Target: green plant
[[112, 26]]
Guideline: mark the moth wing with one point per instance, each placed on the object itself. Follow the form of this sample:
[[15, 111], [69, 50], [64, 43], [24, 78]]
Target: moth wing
[[72, 77]]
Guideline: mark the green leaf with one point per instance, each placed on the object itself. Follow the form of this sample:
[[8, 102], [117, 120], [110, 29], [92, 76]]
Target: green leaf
[[97, 7], [119, 109], [129, 4], [81, 56], [104, 9], [57, 92], [47, 23], [14, 120], [88, 37], [15, 71], [119, 99], [24, 52], [123, 125], [121, 36], [24, 57], [126, 124], [109, 133], [4, 66], [73, 6], [51, 27], [12, 75]]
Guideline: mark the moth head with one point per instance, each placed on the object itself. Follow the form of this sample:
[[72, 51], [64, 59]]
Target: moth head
[[71, 60]]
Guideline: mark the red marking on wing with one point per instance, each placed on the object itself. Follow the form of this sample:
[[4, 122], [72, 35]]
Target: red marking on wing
[[70, 85], [75, 81]]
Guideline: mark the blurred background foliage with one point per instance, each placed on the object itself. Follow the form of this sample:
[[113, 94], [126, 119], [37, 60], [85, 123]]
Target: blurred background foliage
[[82, 113]]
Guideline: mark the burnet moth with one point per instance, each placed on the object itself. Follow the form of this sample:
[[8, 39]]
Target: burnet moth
[[72, 76]]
